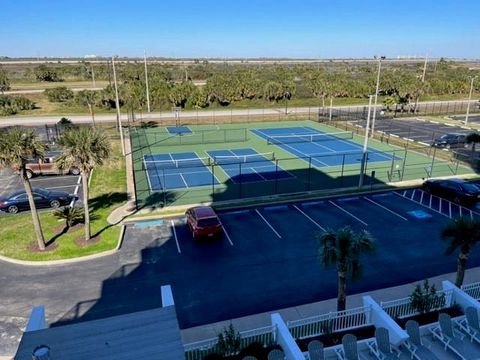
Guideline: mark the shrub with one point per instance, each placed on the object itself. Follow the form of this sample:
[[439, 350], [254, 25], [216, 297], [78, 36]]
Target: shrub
[[44, 73], [10, 105], [425, 299], [72, 215], [229, 341], [59, 94]]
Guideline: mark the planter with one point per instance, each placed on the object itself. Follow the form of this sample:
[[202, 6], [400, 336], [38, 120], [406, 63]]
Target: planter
[[364, 332], [430, 317], [255, 349]]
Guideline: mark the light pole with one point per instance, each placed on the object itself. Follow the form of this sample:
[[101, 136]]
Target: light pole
[[376, 93], [365, 144], [417, 98], [146, 80], [469, 99], [117, 105]]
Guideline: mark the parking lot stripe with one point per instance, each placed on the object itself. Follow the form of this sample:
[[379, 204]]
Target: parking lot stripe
[[269, 225], [226, 232], [385, 208], [450, 209], [421, 197], [175, 235], [416, 202], [423, 143], [76, 190], [309, 218], [348, 212]]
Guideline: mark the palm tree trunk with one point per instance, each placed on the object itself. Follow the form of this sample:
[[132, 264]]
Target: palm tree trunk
[[92, 113], [342, 296], [85, 205], [33, 209], [461, 264]]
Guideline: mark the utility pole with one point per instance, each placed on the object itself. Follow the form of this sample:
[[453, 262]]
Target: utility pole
[[117, 105], [423, 81], [376, 93], [146, 80], [469, 99], [365, 144]]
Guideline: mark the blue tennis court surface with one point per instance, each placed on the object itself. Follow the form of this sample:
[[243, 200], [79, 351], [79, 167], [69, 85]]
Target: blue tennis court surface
[[179, 130], [246, 165], [324, 149], [177, 171]]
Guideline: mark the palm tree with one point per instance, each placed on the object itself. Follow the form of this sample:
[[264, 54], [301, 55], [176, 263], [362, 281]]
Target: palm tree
[[461, 233], [17, 146], [85, 148], [344, 248]]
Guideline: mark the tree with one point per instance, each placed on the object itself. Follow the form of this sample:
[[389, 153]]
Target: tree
[[388, 101], [426, 299], [85, 148], [344, 248], [473, 138], [462, 234], [17, 146], [88, 98], [4, 81], [59, 94]]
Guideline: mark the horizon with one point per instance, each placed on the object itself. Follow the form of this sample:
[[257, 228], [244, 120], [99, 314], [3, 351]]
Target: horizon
[[252, 30]]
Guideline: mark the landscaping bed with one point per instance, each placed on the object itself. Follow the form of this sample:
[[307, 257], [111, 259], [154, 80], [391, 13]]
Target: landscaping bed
[[430, 317], [255, 349], [332, 339]]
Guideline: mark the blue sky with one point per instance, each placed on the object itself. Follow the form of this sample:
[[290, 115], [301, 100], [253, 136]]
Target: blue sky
[[248, 28]]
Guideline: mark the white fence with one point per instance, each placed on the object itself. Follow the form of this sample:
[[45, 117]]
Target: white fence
[[402, 307], [198, 350], [473, 290], [331, 322]]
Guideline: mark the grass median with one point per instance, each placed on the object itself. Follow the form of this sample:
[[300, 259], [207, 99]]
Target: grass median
[[107, 192]]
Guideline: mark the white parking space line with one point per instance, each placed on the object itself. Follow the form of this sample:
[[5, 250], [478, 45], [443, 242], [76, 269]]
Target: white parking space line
[[76, 190], [60, 187], [269, 225], [175, 235], [348, 212], [309, 218], [50, 178], [385, 208], [226, 233]]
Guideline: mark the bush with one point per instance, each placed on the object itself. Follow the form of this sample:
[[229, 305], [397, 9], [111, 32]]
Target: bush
[[426, 299], [44, 73], [59, 94], [229, 341], [72, 215], [11, 105]]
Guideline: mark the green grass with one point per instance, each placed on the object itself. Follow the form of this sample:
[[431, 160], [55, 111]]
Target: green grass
[[108, 191], [155, 141]]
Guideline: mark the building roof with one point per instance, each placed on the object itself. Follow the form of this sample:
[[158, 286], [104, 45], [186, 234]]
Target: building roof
[[152, 334]]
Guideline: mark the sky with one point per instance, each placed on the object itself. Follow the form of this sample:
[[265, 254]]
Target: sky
[[240, 29]]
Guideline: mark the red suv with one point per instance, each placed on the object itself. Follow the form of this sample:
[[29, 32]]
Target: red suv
[[204, 222]]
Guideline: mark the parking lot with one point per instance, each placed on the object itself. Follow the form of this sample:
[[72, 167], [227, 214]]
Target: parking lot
[[11, 182], [471, 118], [419, 130], [275, 264]]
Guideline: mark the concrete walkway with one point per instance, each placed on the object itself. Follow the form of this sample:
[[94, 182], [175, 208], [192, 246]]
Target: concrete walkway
[[304, 311]]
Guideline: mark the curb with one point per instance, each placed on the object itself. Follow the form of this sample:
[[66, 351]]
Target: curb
[[67, 261]]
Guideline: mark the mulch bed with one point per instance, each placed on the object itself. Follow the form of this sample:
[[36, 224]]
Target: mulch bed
[[362, 333], [80, 241], [430, 317], [33, 247], [254, 349]]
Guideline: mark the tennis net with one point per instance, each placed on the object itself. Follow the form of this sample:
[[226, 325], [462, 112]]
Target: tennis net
[[172, 164], [289, 139], [237, 159]]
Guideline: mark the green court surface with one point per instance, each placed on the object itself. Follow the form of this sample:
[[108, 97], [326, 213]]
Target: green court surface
[[335, 169]]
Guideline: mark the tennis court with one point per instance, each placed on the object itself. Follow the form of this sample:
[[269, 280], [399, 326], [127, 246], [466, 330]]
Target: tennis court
[[177, 171], [247, 165], [179, 130], [306, 142]]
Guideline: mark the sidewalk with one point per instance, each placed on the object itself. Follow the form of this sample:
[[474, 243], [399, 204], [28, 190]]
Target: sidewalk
[[303, 311]]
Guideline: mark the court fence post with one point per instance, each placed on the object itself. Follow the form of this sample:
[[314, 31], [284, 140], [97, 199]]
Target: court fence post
[[343, 169], [392, 167], [276, 176], [240, 183], [433, 162], [164, 188], [404, 163], [309, 174], [213, 182]]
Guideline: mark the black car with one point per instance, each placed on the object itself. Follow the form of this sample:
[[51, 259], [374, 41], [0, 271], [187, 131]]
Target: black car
[[457, 190], [43, 198], [451, 140]]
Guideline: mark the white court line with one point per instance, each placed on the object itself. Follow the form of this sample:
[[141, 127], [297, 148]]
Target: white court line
[[175, 235], [266, 221], [348, 212], [183, 179], [309, 218], [256, 172], [385, 208]]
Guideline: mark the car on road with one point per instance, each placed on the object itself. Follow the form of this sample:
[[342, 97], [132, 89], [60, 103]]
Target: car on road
[[450, 140], [204, 222], [457, 190], [43, 198], [47, 166]]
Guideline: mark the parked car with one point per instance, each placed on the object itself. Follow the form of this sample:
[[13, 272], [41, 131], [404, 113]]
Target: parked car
[[43, 198], [47, 166], [457, 190], [451, 140], [204, 222]]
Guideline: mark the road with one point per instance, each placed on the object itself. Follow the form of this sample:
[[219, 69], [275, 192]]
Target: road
[[200, 114]]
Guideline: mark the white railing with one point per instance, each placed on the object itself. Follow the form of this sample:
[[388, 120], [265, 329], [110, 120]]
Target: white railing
[[402, 307], [330, 322], [198, 350], [472, 289]]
